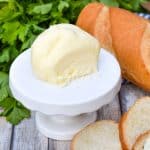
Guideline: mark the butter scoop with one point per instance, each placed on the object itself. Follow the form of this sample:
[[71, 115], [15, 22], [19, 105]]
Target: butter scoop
[[63, 53]]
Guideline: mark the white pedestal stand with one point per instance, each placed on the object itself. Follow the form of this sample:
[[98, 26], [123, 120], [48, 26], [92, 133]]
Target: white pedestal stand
[[62, 112]]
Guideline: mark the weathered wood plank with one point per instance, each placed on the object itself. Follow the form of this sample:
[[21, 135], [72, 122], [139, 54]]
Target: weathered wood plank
[[27, 137], [110, 111], [128, 94], [59, 145], [5, 134]]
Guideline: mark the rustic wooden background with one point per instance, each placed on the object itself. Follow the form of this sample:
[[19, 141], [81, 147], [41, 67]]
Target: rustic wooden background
[[26, 137]]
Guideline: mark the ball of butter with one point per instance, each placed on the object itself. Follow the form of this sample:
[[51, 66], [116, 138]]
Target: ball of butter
[[64, 52]]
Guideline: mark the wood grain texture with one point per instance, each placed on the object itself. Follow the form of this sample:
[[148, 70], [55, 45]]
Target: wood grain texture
[[129, 93], [5, 134], [59, 145], [110, 111], [27, 137]]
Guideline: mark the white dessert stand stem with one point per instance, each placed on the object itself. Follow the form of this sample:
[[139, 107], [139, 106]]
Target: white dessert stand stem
[[62, 112], [62, 127]]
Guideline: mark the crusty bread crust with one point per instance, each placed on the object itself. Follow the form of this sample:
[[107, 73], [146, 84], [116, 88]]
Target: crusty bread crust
[[102, 29], [126, 35], [127, 30], [138, 145], [145, 47], [88, 15], [121, 131], [123, 125], [72, 146]]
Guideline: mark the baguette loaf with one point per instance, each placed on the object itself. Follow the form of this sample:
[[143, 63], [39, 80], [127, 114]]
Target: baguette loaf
[[124, 34], [102, 135], [135, 122], [143, 142]]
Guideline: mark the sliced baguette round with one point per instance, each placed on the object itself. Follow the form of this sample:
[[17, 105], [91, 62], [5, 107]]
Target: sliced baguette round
[[141, 141], [102, 135], [135, 122]]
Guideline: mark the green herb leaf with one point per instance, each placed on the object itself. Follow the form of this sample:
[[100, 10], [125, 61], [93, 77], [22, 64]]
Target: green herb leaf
[[17, 114], [12, 110], [62, 5], [110, 2], [28, 42], [10, 32], [22, 32], [3, 93], [41, 9], [7, 103], [14, 113], [4, 55], [3, 79]]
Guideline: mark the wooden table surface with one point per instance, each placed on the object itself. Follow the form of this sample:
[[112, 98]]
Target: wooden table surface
[[26, 137]]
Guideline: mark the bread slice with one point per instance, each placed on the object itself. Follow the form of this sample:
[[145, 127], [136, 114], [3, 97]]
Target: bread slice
[[135, 122], [141, 142], [102, 135]]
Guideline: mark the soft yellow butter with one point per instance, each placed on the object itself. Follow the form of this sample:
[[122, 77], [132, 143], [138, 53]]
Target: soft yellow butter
[[147, 144], [64, 52]]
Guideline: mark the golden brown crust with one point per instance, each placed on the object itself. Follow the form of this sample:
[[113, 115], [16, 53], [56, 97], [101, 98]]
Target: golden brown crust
[[121, 131], [88, 15], [127, 31], [145, 57], [89, 126], [103, 29], [140, 140], [122, 124], [145, 54], [145, 47]]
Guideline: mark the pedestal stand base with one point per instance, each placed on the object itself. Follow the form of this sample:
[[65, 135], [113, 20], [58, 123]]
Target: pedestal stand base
[[61, 127]]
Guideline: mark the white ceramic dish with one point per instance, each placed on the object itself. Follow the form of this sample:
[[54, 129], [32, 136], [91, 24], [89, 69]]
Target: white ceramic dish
[[63, 111]]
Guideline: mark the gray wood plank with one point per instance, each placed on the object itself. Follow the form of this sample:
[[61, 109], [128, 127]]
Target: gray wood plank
[[59, 145], [5, 134], [110, 111], [27, 137], [129, 93]]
